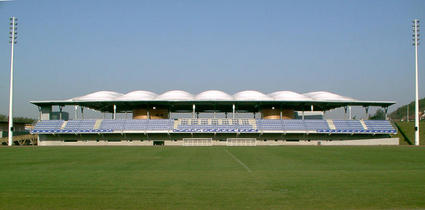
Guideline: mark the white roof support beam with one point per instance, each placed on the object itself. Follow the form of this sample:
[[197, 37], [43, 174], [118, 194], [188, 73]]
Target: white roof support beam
[[349, 113], [115, 112], [233, 111], [75, 112], [193, 110]]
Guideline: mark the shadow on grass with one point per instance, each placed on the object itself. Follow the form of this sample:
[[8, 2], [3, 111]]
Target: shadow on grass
[[403, 134]]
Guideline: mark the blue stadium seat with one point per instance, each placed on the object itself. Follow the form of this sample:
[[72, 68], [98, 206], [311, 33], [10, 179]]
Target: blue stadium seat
[[47, 126]]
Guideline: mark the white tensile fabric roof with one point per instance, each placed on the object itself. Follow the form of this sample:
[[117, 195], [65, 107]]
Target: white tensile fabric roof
[[138, 95], [251, 95], [289, 96], [181, 101], [175, 95], [327, 96], [211, 95], [99, 96]]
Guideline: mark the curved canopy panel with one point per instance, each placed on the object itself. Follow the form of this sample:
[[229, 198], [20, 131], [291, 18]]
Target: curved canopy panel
[[175, 95], [327, 96], [139, 95], [288, 96], [251, 95], [98, 96], [213, 95], [182, 101]]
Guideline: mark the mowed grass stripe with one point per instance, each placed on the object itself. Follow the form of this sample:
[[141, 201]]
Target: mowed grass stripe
[[238, 161], [207, 177]]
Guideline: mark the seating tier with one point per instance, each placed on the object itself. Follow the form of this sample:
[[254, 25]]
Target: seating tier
[[215, 126]]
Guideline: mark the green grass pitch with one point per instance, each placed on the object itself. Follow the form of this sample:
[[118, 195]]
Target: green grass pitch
[[212, 177]]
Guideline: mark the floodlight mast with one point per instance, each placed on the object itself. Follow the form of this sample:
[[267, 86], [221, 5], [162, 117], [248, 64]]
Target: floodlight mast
[[416, 43], [13, 38]]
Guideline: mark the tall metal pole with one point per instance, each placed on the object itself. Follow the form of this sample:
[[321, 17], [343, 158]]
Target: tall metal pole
[[13, 42], [416, 43]]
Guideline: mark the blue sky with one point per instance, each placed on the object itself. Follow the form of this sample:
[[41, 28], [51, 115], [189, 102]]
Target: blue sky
[[360, 49]]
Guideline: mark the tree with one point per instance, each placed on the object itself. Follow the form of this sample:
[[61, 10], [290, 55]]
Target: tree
[[379, 115], [4, 118]]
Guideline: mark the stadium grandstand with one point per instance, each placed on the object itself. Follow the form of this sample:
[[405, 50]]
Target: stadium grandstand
[[279, 118]]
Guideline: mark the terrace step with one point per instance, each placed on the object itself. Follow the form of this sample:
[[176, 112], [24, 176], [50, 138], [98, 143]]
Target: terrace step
[[253, 123], [97, 124], [331, 124], [64, 124], [176, 123], [363, 124]]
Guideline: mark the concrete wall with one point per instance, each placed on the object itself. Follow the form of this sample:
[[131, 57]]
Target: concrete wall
[[218, 140], [357, 142], [95, 143], [386, 141]]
